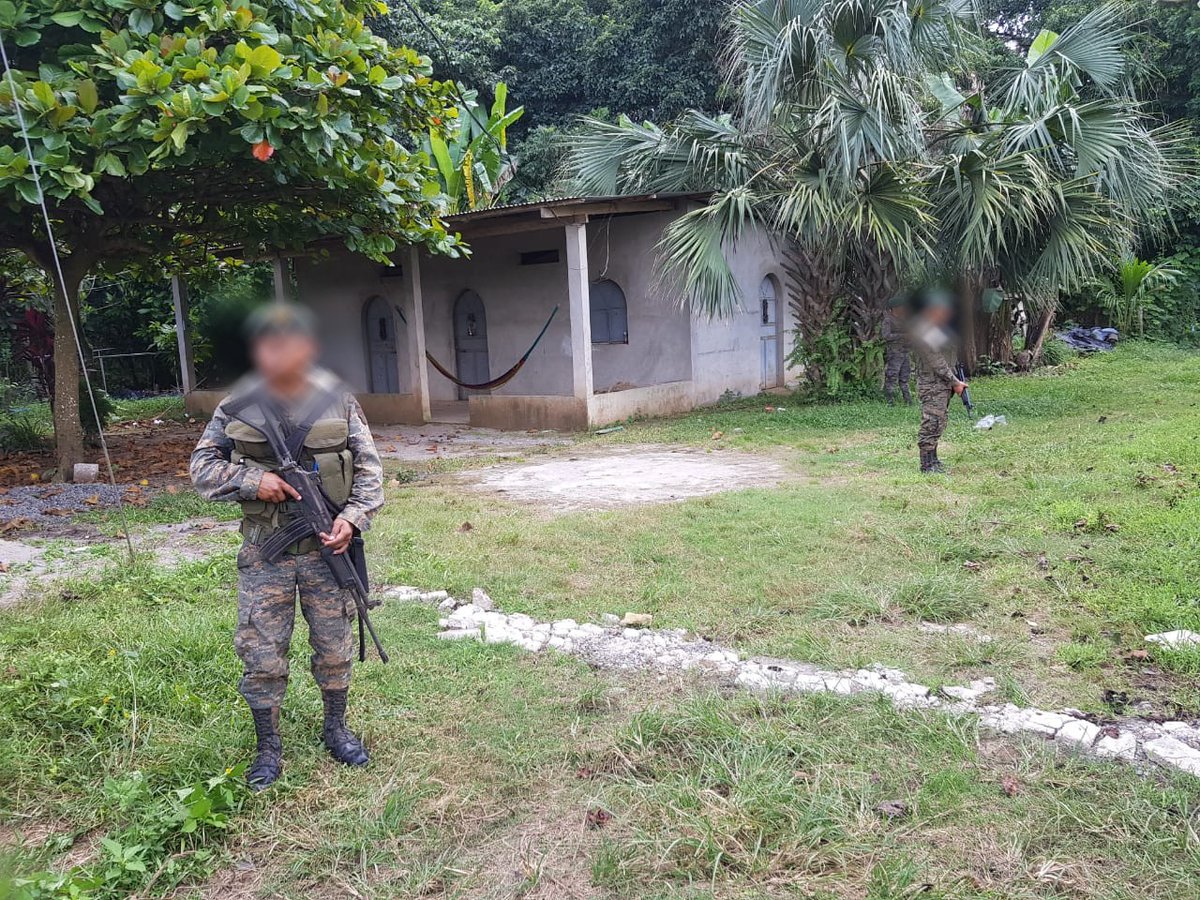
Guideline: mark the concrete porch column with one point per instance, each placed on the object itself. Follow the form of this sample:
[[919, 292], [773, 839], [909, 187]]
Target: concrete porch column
[[279, 268], [416, 333], [579, 291], [187, 367]]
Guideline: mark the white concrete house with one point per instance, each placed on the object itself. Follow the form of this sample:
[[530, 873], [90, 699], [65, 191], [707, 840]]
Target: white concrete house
[[620, 345]]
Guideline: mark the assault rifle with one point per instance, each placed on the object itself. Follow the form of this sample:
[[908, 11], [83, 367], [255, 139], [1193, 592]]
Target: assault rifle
[[961, 372], [317, 511]]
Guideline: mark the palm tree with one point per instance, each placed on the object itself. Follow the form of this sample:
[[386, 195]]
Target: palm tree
[[1046, 175], [1124, 299], [863, 143], [822, 151]]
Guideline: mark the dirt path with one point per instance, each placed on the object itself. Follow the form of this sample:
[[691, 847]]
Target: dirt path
[[36, 561]]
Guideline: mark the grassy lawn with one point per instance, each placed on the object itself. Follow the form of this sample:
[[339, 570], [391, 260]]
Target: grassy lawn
[[1067, 536]]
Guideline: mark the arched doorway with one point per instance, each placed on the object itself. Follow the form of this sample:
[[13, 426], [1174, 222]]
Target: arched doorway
[[772, 362], [470, 341], [383, 370]]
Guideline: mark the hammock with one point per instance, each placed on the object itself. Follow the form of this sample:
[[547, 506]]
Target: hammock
[[507, 376]]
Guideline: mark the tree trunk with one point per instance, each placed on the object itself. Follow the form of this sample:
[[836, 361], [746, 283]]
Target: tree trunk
[[877, 283], [1039, 331], [814, 280], [68, 430]]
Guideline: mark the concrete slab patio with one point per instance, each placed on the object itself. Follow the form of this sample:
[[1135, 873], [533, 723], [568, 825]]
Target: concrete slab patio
[[629, 476]]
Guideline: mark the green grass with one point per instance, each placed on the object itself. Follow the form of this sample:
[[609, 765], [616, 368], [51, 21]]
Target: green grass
[[1057, 520], [1064, 538], [819, 797]]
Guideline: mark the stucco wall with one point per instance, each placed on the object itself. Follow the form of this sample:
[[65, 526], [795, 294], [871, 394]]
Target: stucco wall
[[337, 288], [726, 353], [622, 249], [517, 300]]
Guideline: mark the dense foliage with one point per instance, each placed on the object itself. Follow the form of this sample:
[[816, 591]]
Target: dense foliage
[[650, 59], [889, 141]]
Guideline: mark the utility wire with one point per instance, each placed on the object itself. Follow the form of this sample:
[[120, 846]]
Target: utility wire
[[62, 285], [447, 56]]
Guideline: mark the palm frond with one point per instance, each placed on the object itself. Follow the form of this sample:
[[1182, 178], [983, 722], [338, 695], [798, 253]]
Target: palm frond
[[693, 251]]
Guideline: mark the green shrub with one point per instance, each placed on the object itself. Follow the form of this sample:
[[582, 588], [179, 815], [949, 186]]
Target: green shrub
[[22, 433], [1055, 352], [104, 407]]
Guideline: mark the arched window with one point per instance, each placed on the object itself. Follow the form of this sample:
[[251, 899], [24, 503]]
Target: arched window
[[610, 317]]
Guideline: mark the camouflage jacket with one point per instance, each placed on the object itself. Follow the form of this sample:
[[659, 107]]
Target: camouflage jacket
[[217, 478], [893, 331]]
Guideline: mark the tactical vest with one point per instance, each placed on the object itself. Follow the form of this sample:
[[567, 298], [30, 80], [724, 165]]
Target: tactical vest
[[326, 451]]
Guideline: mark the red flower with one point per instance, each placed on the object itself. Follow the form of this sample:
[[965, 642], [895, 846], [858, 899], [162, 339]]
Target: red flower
[[263, 151]]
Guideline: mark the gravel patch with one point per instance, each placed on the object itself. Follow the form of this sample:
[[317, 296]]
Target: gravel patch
[[40, 502], [629, 476]]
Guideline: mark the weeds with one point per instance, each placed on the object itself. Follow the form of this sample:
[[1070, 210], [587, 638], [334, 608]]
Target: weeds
[[169, 839], [23, 434]]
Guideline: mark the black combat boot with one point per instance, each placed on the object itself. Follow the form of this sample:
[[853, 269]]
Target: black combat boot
[[930, 464], [890, 395], [268, 760], [340, 741]]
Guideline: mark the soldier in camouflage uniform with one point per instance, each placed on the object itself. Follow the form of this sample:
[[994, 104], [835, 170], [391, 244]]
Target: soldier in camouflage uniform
[[898, 362], [936, 382], [233, 462]]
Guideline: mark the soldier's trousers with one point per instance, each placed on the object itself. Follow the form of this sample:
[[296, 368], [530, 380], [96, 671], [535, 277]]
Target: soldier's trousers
[[267, 594], [935, 395], [897, 372]]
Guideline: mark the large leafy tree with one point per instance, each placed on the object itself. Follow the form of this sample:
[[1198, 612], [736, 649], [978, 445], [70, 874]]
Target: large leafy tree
[[868, 143], [170, 130]]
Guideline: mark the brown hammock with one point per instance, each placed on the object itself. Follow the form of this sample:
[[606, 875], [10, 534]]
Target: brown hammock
[[507, 376]]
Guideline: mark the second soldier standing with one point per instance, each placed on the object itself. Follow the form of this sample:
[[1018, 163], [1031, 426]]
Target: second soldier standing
[[936, 382]]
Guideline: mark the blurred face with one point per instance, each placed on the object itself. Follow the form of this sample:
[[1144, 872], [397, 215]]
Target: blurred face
[[938, 314], [284, 359]]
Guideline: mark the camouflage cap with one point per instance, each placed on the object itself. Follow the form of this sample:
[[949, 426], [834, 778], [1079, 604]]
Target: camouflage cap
[[273, 319]]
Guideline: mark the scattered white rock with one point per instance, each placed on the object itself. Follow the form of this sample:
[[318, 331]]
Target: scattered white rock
[[972, 692], [962, 630], [1078, 733], [620, 645], [1175, 639], [637, 620], [1122, 746], [460, 634], [1168, 751]]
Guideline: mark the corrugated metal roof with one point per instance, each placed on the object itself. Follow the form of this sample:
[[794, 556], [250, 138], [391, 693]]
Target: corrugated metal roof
[[515, 208]]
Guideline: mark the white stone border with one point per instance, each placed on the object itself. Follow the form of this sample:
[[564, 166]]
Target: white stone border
[[1174, 745]]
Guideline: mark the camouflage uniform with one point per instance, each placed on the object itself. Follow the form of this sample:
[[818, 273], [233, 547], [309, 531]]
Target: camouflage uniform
[[935, 387], [898, 366], [267, 591]]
